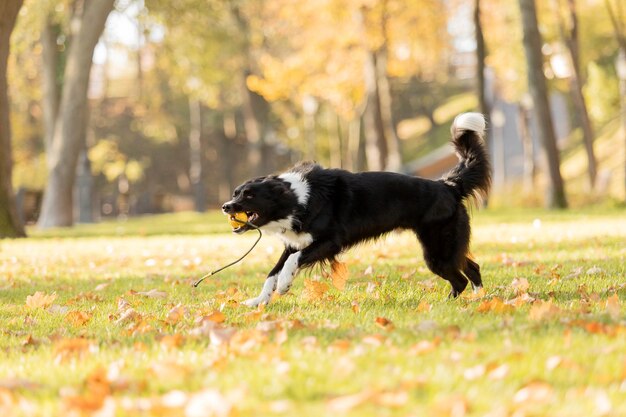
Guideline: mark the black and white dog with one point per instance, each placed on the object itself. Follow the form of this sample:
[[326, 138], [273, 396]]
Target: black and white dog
[[319, 212]]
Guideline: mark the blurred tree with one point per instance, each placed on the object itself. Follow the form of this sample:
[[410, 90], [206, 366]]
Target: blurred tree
[[569, 32], [351, 67], [87, 23], [10, 226], [539, 92]]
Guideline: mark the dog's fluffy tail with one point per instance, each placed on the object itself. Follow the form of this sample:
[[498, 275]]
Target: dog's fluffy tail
[[472, 175]]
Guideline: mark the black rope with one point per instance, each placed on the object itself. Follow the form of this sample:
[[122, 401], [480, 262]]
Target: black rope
[[195, 284]]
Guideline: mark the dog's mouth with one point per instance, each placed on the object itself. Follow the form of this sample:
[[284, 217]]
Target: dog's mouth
[[252, 217]]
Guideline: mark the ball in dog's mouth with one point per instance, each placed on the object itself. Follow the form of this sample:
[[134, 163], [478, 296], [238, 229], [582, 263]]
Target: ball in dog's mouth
[[238, 220]]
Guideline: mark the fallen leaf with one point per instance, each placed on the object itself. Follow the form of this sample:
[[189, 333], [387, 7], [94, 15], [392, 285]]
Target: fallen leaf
[[392, 398], [613, 306], [498, 372], [209, 403], [520, 285], [172, 341], [543, 310], [348, 402], [216, 317], [40, 300], [355, 307], [339, 275], [314, 290], [424, 307], [65, 349], [594, 270], [176, 314], [452, 407], [78, 318], [495, 305], [474, 372], [423, 347], [534, 392], [384, 323], [153, 293]]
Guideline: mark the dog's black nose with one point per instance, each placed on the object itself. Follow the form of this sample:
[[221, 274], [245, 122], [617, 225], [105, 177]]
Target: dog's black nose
[[226, 206]]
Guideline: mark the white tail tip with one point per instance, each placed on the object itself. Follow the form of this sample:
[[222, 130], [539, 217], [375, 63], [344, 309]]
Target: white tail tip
[[470, 121]]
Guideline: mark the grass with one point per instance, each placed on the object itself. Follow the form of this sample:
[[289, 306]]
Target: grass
[[127, 335]]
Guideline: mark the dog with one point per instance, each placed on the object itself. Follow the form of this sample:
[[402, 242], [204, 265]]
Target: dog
[[318, 213]]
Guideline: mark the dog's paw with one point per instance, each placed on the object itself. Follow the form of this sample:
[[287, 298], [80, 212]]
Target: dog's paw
[[257, 301], [283, 288]]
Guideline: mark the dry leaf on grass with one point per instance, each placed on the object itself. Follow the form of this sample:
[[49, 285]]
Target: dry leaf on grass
[[495, 305], [520, 285], [613, 306], [543, 310], [153, 293], [385, 323], [314, 290], [40, 300], [176, 314], [339, 275], [534, 392], [78, 318]]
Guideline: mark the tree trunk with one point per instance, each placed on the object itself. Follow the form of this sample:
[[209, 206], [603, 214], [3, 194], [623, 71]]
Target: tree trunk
[[195, 155], [570, 39], [254, 109], [529, 171], [394, 158], [71, 122], [481, 55], [51, 85], [539, 92], [10, 225], [619, 28], [375, 142]]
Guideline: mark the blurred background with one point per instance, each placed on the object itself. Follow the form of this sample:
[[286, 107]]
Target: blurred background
[[131, 107]]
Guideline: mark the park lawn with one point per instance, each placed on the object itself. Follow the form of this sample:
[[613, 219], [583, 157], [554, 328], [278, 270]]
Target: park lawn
[[103, 321]]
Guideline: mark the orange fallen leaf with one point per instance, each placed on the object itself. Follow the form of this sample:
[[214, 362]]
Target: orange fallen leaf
[[495, 305], [176, 314], [314, 290], [613, 306], [355, 307], [348, 402], [520, 285], [172, 341], [543, 310], [534, 392], [384, 323], [40, 300], [339, 275], [78, 318], [392, 398], [216, 317], [423, 347], [65, 349], [424, 307], [153, 293]]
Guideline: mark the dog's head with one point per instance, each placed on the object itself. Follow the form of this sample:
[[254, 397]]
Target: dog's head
[[263, 199]]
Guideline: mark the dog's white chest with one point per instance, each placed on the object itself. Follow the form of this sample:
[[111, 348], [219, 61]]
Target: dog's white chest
[[283, 229]]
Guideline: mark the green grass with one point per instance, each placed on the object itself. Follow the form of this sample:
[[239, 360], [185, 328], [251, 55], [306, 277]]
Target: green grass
[[561, 355]]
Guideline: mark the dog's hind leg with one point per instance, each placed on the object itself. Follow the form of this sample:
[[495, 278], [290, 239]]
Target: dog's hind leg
[[472, 271], [445, 245]]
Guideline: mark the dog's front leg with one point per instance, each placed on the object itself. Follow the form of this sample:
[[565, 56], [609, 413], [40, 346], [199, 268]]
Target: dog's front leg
[[316, 252], [270, 282]]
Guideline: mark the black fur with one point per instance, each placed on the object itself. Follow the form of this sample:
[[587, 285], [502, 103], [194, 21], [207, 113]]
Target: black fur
[[346, 208]]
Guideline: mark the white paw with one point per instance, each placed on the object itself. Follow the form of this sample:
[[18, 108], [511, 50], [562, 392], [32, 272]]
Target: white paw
[[284, 284], [256, 301]]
